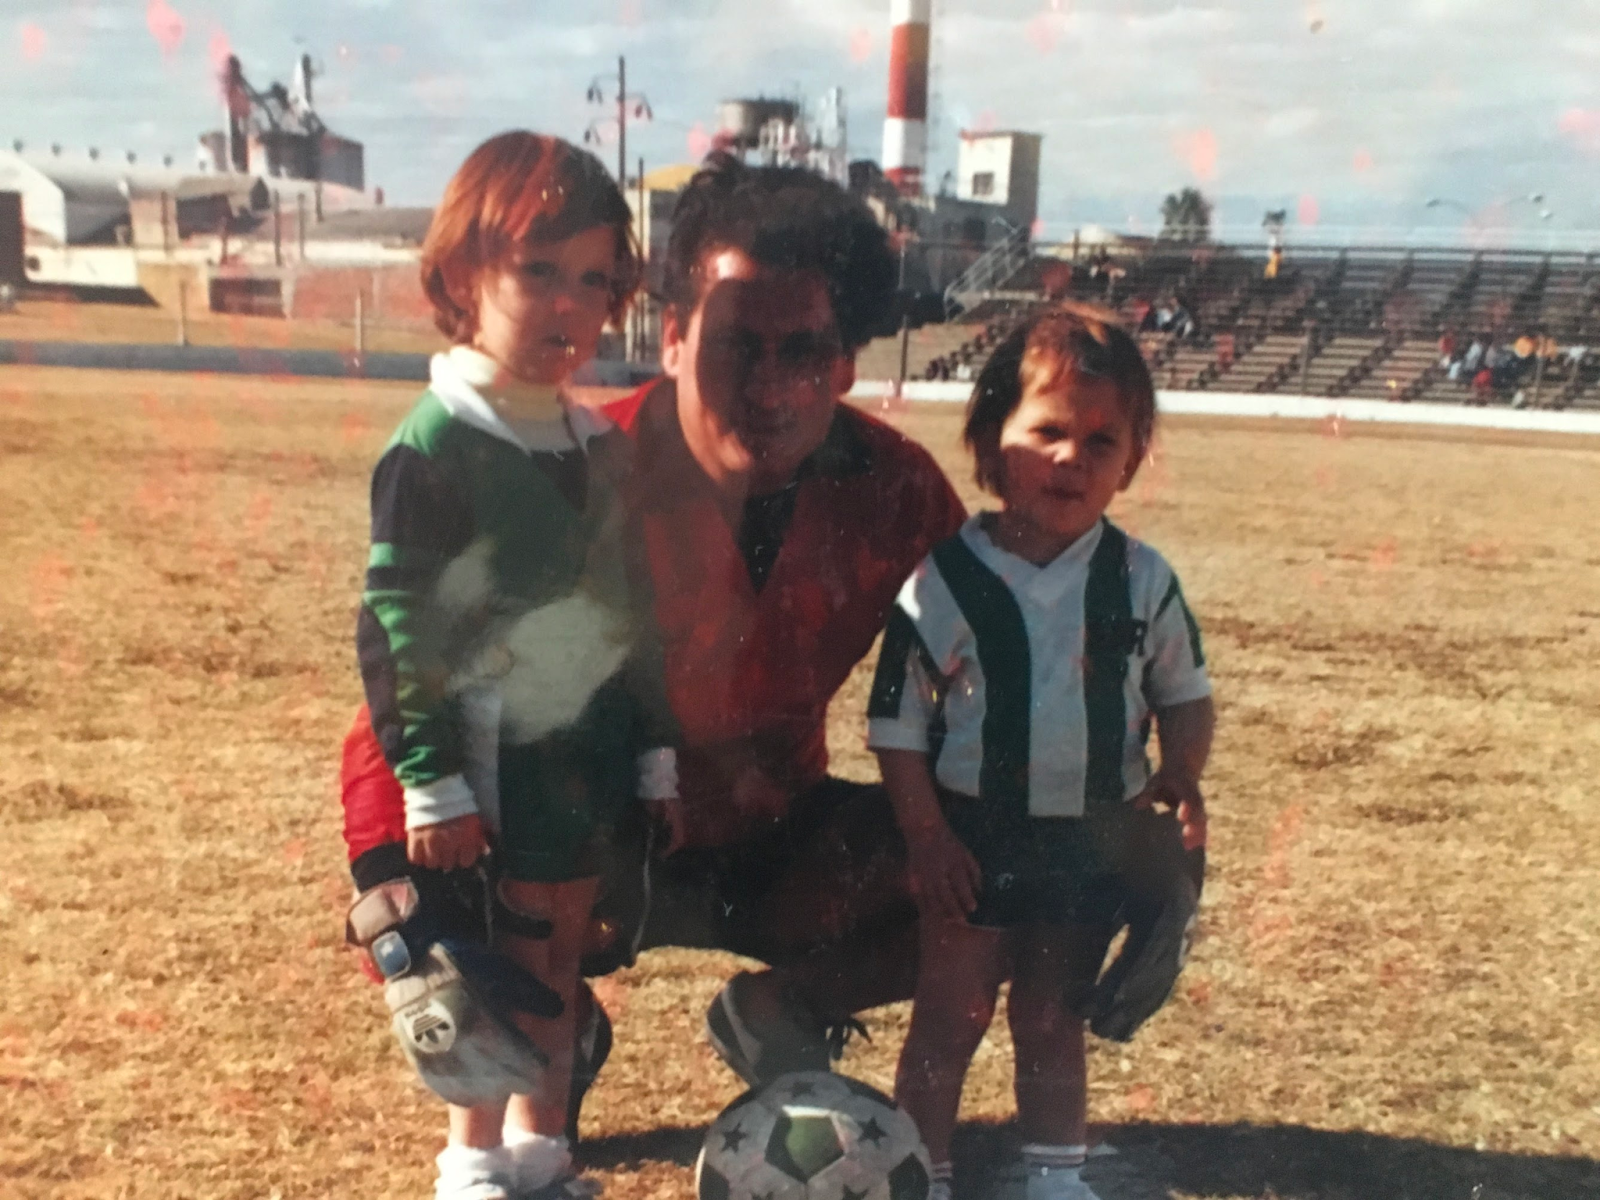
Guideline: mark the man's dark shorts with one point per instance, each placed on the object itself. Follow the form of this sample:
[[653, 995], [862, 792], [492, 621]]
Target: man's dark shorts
[[832, 870]]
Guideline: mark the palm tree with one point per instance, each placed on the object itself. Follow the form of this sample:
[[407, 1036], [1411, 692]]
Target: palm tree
[[1186, 216]]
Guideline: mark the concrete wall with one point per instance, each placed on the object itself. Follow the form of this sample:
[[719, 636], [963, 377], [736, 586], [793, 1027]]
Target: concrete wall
[[391, 295]]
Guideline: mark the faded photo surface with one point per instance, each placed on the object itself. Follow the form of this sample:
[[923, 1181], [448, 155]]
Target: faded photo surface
[[857, 600]]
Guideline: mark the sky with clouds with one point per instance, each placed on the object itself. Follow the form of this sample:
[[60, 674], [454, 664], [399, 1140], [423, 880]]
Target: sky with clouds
[[1346, 112]]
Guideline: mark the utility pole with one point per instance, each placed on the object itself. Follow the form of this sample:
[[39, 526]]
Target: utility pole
[[636, 311]]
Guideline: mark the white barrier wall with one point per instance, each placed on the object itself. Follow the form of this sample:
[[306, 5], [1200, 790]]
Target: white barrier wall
[[1306, 408]]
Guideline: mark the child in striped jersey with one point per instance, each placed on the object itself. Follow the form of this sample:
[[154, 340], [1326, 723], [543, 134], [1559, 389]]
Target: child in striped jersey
[[505, 630], [1021, 668]]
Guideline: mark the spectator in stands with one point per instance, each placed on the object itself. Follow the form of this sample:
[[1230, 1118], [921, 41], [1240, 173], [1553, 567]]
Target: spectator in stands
[[1482, 385], [1503, 366], [1182, 322], [1274, 263], [1447, 348], [1470, 362]]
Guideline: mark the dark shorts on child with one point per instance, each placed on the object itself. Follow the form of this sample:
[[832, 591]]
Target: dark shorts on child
[[562, 797], [1047, 870]]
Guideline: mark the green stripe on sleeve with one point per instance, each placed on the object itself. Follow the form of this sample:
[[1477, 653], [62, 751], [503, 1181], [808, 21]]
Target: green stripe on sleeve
[[889, 680], [1173, 593], [412, 558], [1194, 630]]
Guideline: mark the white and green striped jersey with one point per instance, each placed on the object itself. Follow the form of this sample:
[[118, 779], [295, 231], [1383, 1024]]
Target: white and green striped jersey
[[1035, 685]]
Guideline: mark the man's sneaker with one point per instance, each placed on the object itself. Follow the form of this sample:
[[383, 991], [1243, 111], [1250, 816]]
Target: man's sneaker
[[758, 1050], [466, 1173], [590, 1054]]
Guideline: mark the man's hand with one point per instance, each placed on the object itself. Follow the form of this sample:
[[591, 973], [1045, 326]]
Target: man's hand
[[945, 878], [1181, 793], [458, 842]]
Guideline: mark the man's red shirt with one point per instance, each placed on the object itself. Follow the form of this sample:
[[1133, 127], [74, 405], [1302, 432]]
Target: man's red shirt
[[749, 671]]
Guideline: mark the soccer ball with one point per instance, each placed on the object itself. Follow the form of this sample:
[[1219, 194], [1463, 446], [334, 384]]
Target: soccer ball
[[813, 1135]]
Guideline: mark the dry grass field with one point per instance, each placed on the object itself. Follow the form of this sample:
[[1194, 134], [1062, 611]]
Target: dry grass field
[[1394, 996]]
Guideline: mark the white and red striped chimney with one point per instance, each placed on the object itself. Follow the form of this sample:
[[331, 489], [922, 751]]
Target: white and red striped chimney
[[905, 129]]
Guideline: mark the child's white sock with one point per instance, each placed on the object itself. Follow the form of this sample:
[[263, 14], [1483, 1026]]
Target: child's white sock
[[941, 1181], [536, 1159], [470, 1173], [1052, 1172]]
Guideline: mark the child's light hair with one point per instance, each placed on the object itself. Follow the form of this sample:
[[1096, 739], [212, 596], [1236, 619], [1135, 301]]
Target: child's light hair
[[1045, 351], [516, 188]]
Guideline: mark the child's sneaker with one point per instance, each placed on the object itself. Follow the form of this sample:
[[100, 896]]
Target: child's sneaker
[[1062, 1183], [567, 1187], [468, 1173], [536, 1160]]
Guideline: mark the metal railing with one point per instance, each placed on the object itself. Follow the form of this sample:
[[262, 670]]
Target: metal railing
[[994, 267]]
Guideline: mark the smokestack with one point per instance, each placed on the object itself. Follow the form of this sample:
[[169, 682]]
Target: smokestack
[[236, 100], [905, 129]]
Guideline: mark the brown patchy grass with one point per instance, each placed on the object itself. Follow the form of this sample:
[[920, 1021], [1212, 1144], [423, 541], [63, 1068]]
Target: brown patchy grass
[[1394, 995]]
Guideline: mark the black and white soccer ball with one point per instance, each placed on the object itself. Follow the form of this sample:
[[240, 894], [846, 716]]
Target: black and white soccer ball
[[813, 1135]]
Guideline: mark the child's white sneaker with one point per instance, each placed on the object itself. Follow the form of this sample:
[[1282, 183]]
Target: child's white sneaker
[[1058, 1183], [536, 1160], [939, 1189], [468, 1173]]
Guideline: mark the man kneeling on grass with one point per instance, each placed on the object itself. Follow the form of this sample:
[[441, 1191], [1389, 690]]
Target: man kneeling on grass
[[778, 525]]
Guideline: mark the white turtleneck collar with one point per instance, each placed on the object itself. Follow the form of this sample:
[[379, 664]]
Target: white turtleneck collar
[[468, 383]]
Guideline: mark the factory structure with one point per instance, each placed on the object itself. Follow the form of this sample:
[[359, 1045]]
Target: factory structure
[[274, 215], [271, 201]]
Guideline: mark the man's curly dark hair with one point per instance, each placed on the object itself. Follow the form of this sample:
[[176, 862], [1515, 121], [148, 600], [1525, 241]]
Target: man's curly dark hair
[[788, 218]]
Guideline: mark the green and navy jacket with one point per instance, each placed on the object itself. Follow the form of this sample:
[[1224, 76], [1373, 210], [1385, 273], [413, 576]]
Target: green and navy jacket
[[1034, 686], [505, 586]]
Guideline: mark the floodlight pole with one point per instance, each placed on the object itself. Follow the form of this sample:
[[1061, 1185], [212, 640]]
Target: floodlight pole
[[1538, 367], [642, 106]]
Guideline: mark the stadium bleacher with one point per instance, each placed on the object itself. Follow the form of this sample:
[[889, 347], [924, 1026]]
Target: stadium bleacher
[[1363, 323]]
